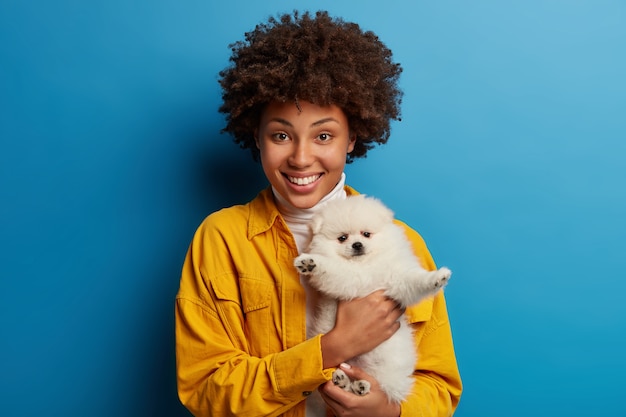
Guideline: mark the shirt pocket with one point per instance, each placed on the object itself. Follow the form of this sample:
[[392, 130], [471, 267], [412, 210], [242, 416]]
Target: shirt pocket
[[255, 294], [259, 326], [418, 315], [253, 298]]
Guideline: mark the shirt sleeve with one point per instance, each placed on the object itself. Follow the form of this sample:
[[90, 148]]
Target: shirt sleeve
[[216, 374], [437, 389], [216, 378]]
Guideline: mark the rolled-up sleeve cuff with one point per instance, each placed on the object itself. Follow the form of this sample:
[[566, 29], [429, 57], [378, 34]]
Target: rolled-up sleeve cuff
[[299, 370]]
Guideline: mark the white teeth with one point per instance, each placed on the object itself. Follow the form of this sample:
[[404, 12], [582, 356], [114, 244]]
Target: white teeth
[[303, 181]]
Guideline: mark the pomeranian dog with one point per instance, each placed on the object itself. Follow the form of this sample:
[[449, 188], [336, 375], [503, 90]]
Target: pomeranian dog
[[356, 249]]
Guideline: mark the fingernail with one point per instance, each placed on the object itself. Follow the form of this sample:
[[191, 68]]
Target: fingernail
[[345, 366]]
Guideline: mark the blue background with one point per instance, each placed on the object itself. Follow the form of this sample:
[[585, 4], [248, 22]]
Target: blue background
[[510, 160]]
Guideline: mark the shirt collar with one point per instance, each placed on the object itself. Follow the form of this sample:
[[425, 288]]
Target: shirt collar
[[264, 213]]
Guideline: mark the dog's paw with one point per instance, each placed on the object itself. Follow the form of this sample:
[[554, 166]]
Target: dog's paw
[[305, 265], [341, 379], [441, 277], [360, 387]]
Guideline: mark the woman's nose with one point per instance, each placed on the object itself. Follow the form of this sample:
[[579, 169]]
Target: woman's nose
[[301, 155]]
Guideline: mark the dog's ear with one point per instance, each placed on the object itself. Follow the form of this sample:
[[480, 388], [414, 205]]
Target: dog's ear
[[389, 215], [383, 212], [316, 224]]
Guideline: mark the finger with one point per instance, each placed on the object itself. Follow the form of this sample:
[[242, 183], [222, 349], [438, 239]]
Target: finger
[[334, 396], [400, 307], [354, 372], [378, 296], [398, 312], [394, 305]]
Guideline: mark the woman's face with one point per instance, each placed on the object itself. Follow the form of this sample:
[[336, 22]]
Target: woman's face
[[303, 150]]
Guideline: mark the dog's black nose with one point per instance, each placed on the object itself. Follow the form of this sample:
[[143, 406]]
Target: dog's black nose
[[357, 246]]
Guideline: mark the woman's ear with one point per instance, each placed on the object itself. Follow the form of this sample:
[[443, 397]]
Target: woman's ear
[[256, 138], [351, 142]]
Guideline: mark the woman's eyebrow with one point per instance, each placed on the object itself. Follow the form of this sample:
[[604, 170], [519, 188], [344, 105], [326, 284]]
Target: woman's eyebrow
[[281, 121], [326, 120], [316, 123]]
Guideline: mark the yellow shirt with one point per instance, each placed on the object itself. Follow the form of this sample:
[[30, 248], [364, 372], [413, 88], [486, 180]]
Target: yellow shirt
[[241, 347]]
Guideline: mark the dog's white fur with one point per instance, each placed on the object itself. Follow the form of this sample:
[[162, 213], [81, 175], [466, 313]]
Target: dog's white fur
[[356, 249]]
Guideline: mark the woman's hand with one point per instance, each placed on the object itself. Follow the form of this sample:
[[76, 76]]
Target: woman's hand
[[345, 404], [360, 326]]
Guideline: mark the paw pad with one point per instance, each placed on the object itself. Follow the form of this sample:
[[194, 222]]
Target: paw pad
[[443, 274], [306, 265], [361, 387], [340, 379]]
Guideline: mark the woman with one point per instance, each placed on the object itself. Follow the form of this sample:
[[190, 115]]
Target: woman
[[306, 94]]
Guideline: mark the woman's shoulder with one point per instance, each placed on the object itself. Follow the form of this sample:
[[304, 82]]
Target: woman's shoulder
[[228, 214], [419, 245], [239, 216], [411, 233]]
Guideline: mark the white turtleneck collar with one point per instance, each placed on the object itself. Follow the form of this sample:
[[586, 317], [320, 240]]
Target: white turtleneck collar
[[298, 219]]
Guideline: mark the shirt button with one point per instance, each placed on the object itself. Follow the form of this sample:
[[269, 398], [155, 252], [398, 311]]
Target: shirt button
[[306, 393]]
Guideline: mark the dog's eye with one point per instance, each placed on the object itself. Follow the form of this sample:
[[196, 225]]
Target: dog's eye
[[366, 234], [342, 238]]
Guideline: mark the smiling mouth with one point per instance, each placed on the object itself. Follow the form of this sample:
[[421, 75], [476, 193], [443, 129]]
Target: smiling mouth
[[303, 180]]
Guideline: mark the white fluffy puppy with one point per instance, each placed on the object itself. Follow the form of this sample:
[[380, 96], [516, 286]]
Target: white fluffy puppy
[[356, 249]]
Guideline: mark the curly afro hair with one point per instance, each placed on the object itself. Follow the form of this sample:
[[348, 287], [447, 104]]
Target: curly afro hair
[[319, 59]]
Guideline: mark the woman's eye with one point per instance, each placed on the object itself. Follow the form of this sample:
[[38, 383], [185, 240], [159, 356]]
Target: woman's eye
[[342, 238], [280, 137], [366, 234], [324, 137]]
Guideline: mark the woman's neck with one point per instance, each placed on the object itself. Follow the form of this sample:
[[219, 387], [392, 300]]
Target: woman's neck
[[298, 219]]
